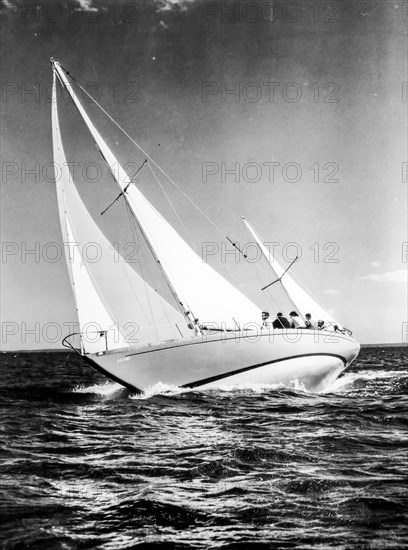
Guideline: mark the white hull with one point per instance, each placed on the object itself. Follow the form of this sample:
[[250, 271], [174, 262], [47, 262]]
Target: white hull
[[313, 358]]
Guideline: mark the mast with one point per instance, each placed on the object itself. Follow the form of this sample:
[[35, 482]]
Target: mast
[[88, 303], [261, 246], [111, 163], [298, 295], [186, 312]]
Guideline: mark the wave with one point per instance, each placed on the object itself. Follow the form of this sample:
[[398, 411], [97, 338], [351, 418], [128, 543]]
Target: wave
[[110, 388], [347, 382], [294, 386], [350, 379], [107, 388], [161, 389]]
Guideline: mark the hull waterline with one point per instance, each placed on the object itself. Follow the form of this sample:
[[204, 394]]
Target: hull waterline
[[315, 359]]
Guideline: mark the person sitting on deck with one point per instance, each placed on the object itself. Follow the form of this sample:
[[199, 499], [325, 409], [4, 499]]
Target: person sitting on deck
[[266, 323], [197, 327], [309, 322], [295, 321], [280, 322]]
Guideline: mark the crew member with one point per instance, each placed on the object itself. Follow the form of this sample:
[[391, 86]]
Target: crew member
[[266, 323], [280, 322]]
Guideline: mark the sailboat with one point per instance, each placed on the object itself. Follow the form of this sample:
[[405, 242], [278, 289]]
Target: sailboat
[[205, 333]]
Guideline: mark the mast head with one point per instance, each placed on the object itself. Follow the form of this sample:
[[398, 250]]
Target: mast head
[[53, 61]]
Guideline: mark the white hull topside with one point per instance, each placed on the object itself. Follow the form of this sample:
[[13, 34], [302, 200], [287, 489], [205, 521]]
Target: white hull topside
[[313, 358]]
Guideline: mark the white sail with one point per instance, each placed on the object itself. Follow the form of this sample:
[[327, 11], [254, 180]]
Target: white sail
[[200, 288], [110, 296], [304, 302]]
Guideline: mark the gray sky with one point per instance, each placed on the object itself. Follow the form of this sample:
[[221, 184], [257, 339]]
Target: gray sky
[[318, 88]]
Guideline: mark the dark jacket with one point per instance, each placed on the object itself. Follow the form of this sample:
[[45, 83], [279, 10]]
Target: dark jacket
[[281, 322]]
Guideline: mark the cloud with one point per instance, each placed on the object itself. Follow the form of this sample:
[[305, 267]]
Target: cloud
[[86, 5], [399, 276], [331, 292], [375, 263], [168, 5], [9, 5]]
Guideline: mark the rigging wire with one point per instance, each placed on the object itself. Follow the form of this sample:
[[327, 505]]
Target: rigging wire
[[218, 229], [156, 165], [135, 236], [185, 312], [163, 172], [279, 279], [168, 199], [122, 193], [134, 229], [144, 152], [270, 296], [124, 270]]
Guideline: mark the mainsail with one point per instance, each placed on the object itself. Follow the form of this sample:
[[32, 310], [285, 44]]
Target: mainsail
[[201, 291], [116, 307], [303, 301]]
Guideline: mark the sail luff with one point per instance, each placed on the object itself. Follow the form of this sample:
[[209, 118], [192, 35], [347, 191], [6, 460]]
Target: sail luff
[[144, 319], [56, 141], [77, 271], [120, 177]]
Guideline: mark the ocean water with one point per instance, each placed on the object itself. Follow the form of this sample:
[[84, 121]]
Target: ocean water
[[86, 464]]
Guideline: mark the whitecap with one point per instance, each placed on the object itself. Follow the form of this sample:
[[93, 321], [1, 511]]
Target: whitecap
[[160, 389], [108, 388], [348, 380]]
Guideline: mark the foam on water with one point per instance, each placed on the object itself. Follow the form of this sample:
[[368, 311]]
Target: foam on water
[[347, 381], [244, 388], [108, 388], [340, 385], [294, 385], [160, 389], [169, 389]]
